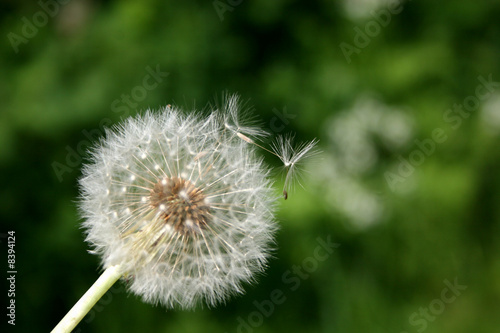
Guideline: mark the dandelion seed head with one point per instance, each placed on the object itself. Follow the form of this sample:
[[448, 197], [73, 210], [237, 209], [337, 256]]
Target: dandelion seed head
[[182, 204]]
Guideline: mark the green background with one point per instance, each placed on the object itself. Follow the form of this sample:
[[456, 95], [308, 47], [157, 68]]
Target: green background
[[397, 245]]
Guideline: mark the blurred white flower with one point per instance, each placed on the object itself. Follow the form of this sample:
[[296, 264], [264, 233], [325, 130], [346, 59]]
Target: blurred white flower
[[361, 9], [490, 115], [352, 162], [181, 203]]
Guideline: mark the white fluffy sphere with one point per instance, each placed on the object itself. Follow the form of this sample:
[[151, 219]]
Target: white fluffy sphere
[[181, 203]]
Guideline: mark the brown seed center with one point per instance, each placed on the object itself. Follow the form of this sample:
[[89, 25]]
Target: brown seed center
[[181, 204]]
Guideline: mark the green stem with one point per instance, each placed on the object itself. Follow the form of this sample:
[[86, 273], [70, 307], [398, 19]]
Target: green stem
[[88, 300]]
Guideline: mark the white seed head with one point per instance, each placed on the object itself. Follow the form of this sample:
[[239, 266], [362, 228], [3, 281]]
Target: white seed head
[[182, 204]]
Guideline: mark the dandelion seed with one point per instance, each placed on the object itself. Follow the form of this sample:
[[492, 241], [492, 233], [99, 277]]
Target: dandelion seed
[[238, 118], [293, 158], [245, 138]]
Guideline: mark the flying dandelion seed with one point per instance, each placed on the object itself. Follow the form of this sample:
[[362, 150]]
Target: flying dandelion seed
[[180, 206], [293, 158], [237, 117]]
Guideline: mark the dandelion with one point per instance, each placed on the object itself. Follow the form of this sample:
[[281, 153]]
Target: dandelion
[[179, 206]]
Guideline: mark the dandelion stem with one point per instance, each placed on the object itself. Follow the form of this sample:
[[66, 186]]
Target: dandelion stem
[[88, 300]]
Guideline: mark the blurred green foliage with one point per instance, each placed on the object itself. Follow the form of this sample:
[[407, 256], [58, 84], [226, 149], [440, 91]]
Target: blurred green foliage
[[70, 77]]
